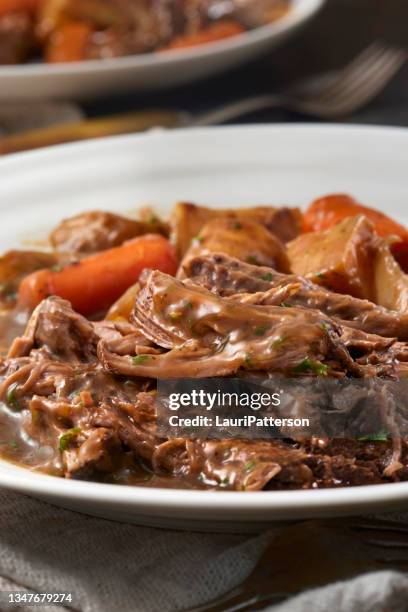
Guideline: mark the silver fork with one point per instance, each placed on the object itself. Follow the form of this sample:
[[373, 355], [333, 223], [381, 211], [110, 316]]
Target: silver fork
[[326, 96], [315, 553]]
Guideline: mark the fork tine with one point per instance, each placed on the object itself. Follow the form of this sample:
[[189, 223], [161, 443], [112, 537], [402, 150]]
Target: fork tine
[[363, 73], [395, 545], [373, 81], [356, 67], [377, 525], [357, 92]]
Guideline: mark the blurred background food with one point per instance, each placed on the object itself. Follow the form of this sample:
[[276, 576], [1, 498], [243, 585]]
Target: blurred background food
[[75, 30], [59, 31]]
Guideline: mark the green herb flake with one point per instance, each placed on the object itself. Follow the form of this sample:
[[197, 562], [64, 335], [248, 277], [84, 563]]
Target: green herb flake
[[138, 359], [285, 305], [251, 259], [13, 444], [248, 359], [237, 225], [267, 277], [153, 219], [381, 436], [197, 240], [324, 325], [68, 437], [278, 342], [260, 331], [249, 465], [56, 268], [11, 398], [310, 365], [224, 482], [320, 275]]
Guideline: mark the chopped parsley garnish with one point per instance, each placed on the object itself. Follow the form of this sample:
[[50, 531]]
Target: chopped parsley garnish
[[285, 305], [249, 465], [267, 277], [325, 325], [68, 437], [320, 275], [248, 359], [237, 225], [11, 398], [278, 342], [56, 268], [197, 240], [251, 259], [138, 359], [310, 365], [260, 331], [381, 436]]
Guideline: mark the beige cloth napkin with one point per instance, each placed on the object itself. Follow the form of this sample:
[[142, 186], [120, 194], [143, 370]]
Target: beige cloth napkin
[[112, 566]]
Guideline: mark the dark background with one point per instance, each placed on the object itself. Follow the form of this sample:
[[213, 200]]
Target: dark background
[[335, 36]]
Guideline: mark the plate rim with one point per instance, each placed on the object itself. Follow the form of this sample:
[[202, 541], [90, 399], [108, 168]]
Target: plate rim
[[338, 129], [235, 502], [300, 13]]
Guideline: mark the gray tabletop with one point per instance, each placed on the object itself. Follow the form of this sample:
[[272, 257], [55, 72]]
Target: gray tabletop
[[337, 34]]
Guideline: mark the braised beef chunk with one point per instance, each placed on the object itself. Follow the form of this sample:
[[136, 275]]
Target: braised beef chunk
[[82, 393], [229, 277], [209, 336], [59, 331], [98, 230]]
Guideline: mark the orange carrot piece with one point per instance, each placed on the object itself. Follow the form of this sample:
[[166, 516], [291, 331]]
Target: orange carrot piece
[[322, 214], [68, 42], [212, 33], [94, 283], [325, 212], [13, 6]]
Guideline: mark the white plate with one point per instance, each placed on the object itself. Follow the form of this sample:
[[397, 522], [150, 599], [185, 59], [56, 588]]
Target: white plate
[[221, 166], [82, 80]]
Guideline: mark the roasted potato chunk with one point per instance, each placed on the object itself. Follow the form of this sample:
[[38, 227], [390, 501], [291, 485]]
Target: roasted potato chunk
[[340, 258], [391, 284], [188, 219]]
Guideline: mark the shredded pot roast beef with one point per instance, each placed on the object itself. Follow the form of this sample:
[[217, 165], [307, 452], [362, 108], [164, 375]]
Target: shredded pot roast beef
[[79, 395]]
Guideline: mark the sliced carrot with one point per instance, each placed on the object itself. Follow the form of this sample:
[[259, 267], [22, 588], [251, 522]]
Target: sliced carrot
[[94, 283], [68, 42], [325, 212], [12, 6], [212, 33]]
